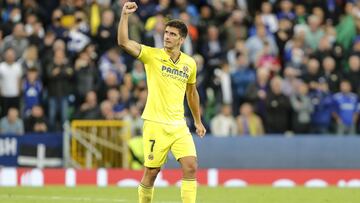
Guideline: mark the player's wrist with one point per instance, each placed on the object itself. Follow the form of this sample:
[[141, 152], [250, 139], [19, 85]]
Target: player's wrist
[[124, 13], [197, 122]]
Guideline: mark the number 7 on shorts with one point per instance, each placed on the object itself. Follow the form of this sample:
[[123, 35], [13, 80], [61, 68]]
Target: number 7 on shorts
[[152, 145]]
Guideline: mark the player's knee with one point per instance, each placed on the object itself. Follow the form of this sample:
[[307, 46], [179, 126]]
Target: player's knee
[[190, 168], [152, 172]]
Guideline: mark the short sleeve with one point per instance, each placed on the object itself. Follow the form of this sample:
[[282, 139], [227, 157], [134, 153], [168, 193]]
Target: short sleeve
[[145, 54], [192, 77]]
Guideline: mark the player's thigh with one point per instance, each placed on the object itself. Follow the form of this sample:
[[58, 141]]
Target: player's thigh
[[184, 145], [156, 144]]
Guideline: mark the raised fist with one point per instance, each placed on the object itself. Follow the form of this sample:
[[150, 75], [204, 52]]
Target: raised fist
[[129, 7]]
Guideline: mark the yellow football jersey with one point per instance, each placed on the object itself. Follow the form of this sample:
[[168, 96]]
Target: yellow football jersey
[[166, 82]]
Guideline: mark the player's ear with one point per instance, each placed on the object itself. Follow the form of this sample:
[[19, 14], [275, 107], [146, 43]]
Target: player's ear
[[182, 39]]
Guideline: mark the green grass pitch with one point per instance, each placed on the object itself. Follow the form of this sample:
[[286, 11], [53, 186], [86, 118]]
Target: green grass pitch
[[58, 194]]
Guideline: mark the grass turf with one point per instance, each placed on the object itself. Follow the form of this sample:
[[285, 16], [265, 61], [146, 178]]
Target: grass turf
[[259, 194]]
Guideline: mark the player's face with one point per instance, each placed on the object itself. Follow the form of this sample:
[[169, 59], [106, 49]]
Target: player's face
[[172, 38]]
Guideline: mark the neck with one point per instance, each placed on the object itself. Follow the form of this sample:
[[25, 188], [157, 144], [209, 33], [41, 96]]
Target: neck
[[174, 53]]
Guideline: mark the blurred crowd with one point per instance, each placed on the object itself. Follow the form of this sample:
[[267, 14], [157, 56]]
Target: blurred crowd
[[264, 67]]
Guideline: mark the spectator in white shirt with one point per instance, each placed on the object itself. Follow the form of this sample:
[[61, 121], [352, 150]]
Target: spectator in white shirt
[[224, 123], [10, 78]]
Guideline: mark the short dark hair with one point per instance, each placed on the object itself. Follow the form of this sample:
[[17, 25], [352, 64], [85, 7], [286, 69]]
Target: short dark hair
[[180, 25]]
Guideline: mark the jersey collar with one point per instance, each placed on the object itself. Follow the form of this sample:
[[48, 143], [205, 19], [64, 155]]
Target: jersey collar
[[174, 62]]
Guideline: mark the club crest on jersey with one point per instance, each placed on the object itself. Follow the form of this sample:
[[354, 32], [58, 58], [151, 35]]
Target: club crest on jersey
[[151, 157], [186, 69]]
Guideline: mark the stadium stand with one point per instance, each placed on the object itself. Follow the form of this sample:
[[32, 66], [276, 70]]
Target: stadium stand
[[295, 62]]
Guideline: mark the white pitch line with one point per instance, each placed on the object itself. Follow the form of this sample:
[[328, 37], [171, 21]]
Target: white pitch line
[[61, 198]]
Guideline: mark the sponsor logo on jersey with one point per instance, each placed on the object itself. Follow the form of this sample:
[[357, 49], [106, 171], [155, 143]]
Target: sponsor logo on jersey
[[174, 73]]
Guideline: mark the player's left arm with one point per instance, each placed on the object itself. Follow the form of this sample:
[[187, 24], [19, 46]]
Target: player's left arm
[[193, 100]]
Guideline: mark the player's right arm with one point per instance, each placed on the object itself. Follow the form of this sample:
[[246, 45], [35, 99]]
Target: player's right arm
[[130, 46]]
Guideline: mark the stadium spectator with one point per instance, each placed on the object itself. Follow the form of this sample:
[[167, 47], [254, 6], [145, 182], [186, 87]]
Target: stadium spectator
[[241, 78], [33, 29], [119, 108], [189, 47], [31, 59], [232, 54], [206, 19], [294, 53], [32, 90], [56, 26], [31, 7], [323, 105], [256, 43], [138, 73], [312, 74], [286, 7], [201, 77], [290, 81], [283, 35], [106, 33], [113, 62], [91, 51], [302, 109], [59, 75], [266, 59], [154, 37], [146, 9], [355, 48], [116, 6], [86, 76], [111, 81], [224, 80], [248, 123], [16, 41], [136, 27], [278, 109], [346, 109], [269, 19], [89, 109], [47, 48], [235, 27], [12, 124], [224, 123], [212, 48], [185, 5], [78, 37], [257, 92], [330, 73], [324, 49], [301, 14], [10, 80], [164, 6], [333, 10], [11, 14], [353, 74], [129, 84], [107, 112], [36, 121], [126, 96], [346, 29]]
